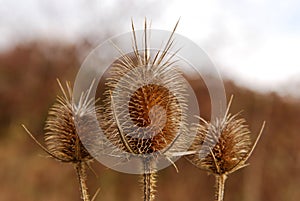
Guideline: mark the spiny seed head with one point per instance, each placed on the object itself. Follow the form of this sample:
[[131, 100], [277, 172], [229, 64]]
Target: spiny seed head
[[145, 104], [222, 146], [226, 141], [61, 137]]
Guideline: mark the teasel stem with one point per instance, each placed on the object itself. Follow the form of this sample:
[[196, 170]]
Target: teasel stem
[[147, 190], [149, 181], [220, 186], [81, 174]]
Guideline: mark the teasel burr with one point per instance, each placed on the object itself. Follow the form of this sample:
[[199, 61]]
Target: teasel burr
[[62, 140], [222, 147], [145, 106]]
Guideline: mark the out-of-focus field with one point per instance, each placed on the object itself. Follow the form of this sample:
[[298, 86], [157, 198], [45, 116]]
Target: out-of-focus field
[[28, 88]]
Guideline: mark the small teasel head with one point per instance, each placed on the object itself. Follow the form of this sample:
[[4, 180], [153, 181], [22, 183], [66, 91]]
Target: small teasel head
[[64, 122], [61, 137], [66, 119], [223, 145]]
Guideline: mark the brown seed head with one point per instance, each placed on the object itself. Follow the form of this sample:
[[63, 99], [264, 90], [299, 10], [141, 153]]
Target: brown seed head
[[61, 137], [145, 105], [222, 146]]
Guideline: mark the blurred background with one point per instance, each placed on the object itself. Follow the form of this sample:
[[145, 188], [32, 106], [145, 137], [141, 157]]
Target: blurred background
[[254, 43]]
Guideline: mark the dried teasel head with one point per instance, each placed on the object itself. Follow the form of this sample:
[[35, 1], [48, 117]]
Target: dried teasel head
[[145, 108], [222, 146], [145, 104], [65, 119]]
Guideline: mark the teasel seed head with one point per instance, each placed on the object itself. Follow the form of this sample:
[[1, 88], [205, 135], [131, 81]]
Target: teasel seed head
[[145, 109], [64, 121], [224, 145], [145, 105]]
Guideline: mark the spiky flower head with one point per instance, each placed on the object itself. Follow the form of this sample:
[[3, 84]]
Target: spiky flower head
[[222, 146], [67, 125], [145, 106], [63, 123]]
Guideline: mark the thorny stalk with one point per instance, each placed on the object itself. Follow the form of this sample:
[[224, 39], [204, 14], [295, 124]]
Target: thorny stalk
[[220, 186], [81, 174]]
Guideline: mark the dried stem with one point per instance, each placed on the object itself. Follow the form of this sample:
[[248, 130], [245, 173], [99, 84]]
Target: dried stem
[[147, 191], [149, 185], [81, 173], [149, 182], [220, 187]]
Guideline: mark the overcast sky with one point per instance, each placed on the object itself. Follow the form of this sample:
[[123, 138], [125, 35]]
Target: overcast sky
[[255, 42]]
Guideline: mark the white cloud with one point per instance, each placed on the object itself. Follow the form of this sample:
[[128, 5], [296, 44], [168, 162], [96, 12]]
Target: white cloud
[[254, 41]]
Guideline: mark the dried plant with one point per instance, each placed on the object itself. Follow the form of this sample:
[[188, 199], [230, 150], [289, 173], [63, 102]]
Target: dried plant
[[62, 140], [223, 147], [145, 105]]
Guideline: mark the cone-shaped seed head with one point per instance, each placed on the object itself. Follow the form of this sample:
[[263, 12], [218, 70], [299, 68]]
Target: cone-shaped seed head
[[61, 137], [145, 105], [221, 145]]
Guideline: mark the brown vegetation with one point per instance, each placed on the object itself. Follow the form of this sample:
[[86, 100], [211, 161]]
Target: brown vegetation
[[28, 88]]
